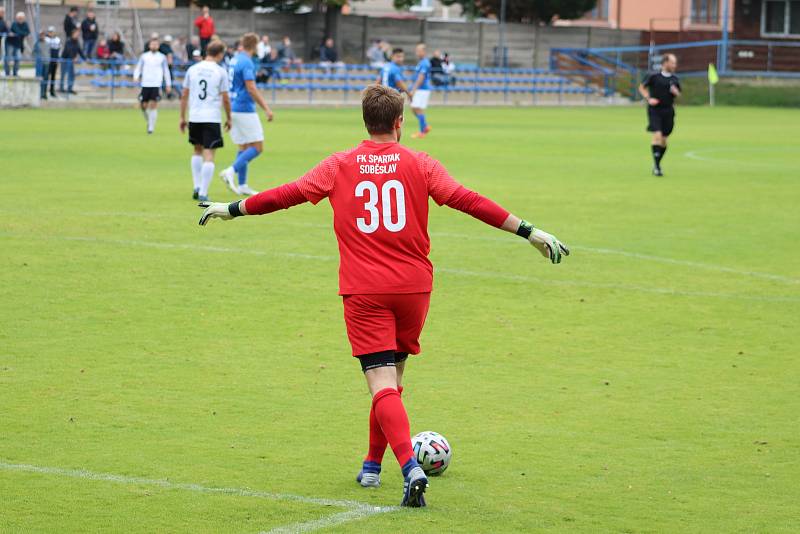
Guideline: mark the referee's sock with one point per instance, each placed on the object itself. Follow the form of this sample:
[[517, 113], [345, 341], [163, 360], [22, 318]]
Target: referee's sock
[[240, 165], [658, 153]]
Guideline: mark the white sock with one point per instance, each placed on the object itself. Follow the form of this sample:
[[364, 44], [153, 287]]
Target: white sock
[[152, 114], [197, 165], [206, 174]]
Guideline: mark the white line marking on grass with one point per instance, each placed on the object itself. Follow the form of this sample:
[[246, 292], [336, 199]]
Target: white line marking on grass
[[506, 240], [355, 510], [698, 155], [458, 272]]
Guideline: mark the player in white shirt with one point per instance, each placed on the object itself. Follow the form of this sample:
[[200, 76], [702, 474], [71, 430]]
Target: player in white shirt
[[153, 70], [205, 87]]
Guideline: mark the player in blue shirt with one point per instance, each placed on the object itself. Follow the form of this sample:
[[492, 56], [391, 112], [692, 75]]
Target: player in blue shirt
[[246, 130], [392, 73], [421, 91]]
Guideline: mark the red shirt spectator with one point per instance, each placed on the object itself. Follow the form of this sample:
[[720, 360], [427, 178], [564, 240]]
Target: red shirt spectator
[[205, 24], [102, 50]]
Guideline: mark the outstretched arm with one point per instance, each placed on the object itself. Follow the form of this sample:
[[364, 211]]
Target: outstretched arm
[[279, 198], [312, 187]]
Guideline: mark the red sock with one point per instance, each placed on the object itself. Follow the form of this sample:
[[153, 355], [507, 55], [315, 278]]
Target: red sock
[[393, 419], [377, 441]]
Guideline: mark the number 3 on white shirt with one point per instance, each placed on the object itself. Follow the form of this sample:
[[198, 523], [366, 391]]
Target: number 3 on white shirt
[[371, 205]]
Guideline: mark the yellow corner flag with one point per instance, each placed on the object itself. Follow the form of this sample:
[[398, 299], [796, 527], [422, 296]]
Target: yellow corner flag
[[713, 77]]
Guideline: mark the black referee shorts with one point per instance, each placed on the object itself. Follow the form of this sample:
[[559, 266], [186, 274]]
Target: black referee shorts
[[208, 134], [660, 120], [149, 94]]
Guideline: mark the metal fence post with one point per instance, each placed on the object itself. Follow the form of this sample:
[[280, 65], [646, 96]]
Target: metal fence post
[[769, 57]]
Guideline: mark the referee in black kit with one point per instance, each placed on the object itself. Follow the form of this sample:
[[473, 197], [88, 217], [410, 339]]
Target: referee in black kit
[[660, 89]]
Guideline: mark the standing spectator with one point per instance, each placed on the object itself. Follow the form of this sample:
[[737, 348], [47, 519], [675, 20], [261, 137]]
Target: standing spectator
[[90, 31], [375, 55], [287, 55], [72, 49], [205, 28], [53, 43], [42, 64], [15, 42], [191, 46], [70, 22], [264, 48], [166, 48], [328, 57], [3, 26]]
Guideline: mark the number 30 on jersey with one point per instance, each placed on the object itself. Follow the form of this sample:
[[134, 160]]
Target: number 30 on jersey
[[390, 222]]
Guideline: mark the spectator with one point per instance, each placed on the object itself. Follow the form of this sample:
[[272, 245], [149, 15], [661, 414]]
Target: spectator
[[328, 57], [103, 53], [116, 49], [3, 26], [178, 51], [264, 48], [375, 55], [89, 31], [195, 57], [270, 67], [386, 48], [205, 28], [440, 76], [191, 46], [166, 48], [287, 55], [448, 65], [15, 42], [72, 49], [42, 64], [53, 43], [70, 22]]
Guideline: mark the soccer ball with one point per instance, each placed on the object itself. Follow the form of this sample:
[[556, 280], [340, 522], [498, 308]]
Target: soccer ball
[[432, 451]]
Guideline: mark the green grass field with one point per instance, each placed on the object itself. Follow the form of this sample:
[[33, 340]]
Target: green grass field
[[160, 376]]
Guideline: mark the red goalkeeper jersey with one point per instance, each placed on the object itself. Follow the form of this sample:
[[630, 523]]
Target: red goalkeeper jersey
[[379, 194]]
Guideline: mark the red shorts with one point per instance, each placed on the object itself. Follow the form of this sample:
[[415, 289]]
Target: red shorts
[[376, 323]]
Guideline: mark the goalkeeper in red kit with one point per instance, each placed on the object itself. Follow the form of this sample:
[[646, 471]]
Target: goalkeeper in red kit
[[379, 193]]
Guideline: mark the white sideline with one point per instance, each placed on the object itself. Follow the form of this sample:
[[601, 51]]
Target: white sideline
[[458, 272], [500, 239], [696, 155], [355, 510]]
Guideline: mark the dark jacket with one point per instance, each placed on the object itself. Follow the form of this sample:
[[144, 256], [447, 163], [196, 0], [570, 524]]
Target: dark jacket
[[328, 54], [72, 49], [20, 31], [3, 27], [87, 31], [116, 47], [69, 25]]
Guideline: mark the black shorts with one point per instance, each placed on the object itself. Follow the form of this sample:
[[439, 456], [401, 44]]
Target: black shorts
[[208, 134], [149, 94], [660, 120]]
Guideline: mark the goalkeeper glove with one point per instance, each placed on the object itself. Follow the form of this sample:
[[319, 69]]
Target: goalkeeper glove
[[220, 210], [547, 244]]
